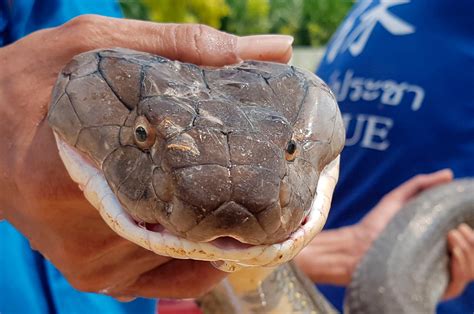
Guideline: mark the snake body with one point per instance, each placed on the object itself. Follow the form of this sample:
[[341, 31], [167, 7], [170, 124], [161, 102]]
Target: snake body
[[284, 290], [234, 165], [406, 269]]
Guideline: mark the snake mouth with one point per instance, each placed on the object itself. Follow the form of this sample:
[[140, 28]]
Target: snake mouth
[[156, 238], [224, 242]]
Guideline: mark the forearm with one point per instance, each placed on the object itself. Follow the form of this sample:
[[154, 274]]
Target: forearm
[[332, 256]]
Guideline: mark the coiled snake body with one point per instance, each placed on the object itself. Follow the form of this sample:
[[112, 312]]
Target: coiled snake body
[[234, 165]]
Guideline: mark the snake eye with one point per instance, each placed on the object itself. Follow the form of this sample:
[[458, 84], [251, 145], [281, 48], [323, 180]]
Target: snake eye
[[144, 133], [141, 134], [291, 149]]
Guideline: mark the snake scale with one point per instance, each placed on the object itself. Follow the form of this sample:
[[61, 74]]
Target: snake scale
[[232, 165]]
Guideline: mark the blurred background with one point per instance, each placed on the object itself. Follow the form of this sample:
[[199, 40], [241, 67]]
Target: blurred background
[[310, 22]]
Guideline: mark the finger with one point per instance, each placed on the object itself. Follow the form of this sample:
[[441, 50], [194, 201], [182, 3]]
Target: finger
[[193, 43], [139, 261], [455, 247], [419, 183], [456, 283], [458, 240], [458, 265], [177, 279], [113, 269], [467, 235], [396, 199]]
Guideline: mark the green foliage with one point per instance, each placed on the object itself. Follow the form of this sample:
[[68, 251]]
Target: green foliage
[[285, 17], [208, 12], [311, 22], [321, 18], [134, 9], [247, 17]]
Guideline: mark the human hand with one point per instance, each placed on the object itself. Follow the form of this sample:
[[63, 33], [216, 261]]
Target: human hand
[[39, 198], [376, 220], [370, 227], [333, 255], [461, 247], [460, 240]]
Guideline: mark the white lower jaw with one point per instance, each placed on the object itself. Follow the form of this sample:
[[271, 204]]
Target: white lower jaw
[[99, 194]]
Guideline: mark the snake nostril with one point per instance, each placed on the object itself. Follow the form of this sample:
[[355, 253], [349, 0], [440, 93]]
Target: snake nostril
[[291, 150]]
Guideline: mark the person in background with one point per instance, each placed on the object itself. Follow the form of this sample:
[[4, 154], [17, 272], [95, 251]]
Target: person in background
[[44, 210], [402, 72]]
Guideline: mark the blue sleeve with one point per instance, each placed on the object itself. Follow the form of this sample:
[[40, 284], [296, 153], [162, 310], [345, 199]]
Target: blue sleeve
[[18, 18], [3, 21], [31, 284]]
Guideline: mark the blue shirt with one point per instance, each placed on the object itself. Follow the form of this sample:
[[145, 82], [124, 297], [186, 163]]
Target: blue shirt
[[403, 74], [28, 282]]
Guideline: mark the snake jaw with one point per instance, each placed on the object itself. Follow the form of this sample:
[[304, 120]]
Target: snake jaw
[[99, 194]]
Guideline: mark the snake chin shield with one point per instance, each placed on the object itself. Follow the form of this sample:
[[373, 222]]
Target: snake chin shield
[[234, 164]]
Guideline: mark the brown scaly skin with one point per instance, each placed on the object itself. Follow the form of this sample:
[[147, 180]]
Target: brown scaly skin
[[234, 151]]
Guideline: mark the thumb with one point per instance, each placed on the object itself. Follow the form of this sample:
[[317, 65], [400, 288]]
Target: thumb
[[195, 43], [419, 183], [392, 202]]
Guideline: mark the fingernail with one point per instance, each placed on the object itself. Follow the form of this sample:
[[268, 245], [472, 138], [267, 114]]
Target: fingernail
[[446, 170], [444, 174], [464, 227], [268, 47]]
